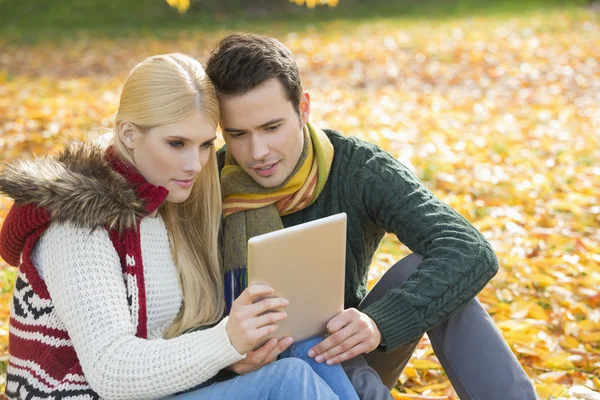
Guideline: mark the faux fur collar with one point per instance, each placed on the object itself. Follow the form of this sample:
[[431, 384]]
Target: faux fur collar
[[78, 186]]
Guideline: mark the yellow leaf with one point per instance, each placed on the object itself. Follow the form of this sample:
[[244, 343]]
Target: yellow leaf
[[567, 206], [406, 396], [549, 391], [535, 351], [537, 312], [569, 342], [559, 361], [181, 5], [587, 325], [590, 337], [542, 280], [424, 364], [520, 308]]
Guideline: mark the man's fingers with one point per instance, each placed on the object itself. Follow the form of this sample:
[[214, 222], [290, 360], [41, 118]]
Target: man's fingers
[[341, 320], [333, 326], [340, 348], [359, 335], [330, 342], [347, 355]]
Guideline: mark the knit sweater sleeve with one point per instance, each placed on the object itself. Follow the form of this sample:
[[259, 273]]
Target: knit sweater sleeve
[[83, 275], [457, 260]]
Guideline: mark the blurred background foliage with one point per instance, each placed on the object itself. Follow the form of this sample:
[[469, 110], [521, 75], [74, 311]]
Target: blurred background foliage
[[494, 104]]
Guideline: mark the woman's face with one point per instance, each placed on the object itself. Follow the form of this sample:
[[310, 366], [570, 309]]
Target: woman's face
[[171, 155]]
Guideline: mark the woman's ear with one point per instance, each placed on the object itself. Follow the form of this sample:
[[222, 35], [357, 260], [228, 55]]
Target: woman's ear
[[127, 134]]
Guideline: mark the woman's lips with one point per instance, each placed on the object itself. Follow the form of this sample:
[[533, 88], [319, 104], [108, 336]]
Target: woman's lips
[[186, 184]]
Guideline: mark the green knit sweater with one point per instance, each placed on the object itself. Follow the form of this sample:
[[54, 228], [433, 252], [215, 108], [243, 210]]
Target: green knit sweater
[[379, 195]]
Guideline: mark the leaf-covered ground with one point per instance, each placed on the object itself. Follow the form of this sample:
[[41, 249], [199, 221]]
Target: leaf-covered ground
[[499, 116]]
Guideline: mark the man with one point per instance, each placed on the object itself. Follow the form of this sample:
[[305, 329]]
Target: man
[[280, 170]]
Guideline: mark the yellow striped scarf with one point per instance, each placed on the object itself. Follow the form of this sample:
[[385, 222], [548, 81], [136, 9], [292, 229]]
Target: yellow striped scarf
[[293, 196]]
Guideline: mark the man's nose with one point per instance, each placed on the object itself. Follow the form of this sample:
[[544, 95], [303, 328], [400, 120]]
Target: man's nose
[[260, 149]]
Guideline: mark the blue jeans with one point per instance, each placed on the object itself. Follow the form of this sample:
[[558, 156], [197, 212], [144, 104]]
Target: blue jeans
[[333, 375], [293, 376]]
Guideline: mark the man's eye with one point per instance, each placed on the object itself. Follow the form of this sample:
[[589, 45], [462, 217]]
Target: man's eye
[[272, 128], [237, 135], [176, 144]]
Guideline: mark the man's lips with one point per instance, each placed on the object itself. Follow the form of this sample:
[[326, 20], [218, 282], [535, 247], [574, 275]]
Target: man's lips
[[265, 170]]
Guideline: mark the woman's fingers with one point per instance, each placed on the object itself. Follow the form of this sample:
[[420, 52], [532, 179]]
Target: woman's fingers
[[254, 315], [266, 305], [259, 356], [263, 331], [248, 296], [269, 318]]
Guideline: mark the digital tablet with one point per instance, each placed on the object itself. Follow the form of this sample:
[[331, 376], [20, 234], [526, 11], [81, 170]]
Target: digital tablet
[[304, 264]]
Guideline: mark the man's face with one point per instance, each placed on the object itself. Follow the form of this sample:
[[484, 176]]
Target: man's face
[[263, 131]]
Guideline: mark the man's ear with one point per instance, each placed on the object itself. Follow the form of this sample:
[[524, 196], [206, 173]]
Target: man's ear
[[127, 134], [304, 107]]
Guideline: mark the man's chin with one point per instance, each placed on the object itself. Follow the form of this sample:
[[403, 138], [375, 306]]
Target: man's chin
[[267, 182]]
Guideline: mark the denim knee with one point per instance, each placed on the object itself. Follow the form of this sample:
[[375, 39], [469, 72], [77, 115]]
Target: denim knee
[[294, 366], [296, 378]]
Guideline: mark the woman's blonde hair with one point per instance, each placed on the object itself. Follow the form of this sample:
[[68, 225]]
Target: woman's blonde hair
[[160, 90]]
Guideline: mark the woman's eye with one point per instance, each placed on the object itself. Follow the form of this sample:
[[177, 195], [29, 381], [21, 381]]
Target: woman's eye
[[176, 144], [208, 145]]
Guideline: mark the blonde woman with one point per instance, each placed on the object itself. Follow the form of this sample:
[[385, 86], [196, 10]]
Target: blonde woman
[[118, 258]]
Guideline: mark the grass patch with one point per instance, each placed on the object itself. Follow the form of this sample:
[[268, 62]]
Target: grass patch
[[34, 20]]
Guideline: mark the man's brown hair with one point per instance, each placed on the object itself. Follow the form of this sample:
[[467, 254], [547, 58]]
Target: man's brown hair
[[243, 61]]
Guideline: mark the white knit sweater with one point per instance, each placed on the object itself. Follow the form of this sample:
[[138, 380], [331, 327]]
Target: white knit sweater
[[83, 274]]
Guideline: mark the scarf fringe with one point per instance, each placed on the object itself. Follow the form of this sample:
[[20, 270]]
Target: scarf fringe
[[236, 280]]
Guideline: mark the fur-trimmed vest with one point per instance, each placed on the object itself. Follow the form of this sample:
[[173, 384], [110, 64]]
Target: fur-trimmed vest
[[90, 188]]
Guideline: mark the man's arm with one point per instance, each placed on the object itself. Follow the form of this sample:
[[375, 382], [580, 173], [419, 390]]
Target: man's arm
[[457, 260]]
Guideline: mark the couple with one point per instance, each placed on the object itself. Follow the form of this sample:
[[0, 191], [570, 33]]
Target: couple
[[121, 290]]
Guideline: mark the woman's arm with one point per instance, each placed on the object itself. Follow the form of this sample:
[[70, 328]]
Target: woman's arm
[[83, 274]]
